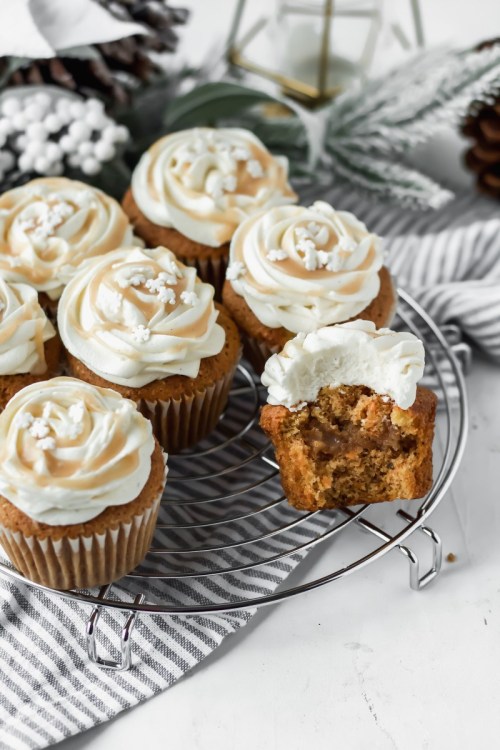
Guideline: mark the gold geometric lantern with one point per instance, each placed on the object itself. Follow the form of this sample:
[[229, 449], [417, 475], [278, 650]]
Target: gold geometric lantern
[[312, 66]]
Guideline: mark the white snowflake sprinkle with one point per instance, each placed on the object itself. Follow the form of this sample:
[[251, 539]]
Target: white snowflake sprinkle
[[39, 428], [235, 270], [240, 154], [254, 168], [275, 255], [141, 333], [166, 295], [115, 301], [76, 412], [24, 420], [230, 183], [154, 285], [46, 444], [189, 298], [137, 279], [323, 257], [172, 268], [74, 430]]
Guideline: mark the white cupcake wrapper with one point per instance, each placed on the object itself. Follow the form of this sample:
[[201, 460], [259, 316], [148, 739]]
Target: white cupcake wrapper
[[180, 423], [83, 561]]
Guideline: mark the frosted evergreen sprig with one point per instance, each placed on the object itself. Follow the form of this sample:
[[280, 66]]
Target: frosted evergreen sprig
[[369, 128], [43, 133]]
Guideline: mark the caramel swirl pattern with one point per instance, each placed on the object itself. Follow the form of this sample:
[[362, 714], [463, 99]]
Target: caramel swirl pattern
[[50, 226], [302, 268], [24, 329], [204, 182], [137, 315], [69, 450]]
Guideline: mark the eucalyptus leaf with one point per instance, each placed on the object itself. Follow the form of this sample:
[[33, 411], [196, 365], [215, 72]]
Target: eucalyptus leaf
[[208, 103]]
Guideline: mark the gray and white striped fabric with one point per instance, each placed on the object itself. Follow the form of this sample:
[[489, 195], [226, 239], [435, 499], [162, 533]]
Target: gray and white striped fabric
[[450, 261]]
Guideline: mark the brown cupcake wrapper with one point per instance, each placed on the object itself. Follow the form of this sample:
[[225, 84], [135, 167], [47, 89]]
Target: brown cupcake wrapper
[[211, 270], [180, 423], [257, 352], [85, 561]]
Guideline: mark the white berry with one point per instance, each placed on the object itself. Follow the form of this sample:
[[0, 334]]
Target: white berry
[[74, 160], [5, 126], [26, 162], [11, 106], [109, 133], [35, 148], [21, 142], [67, 144], [34, 113], [36, 131], [96, 120], [94, 105], [42, 164], [53, 122], [53, 151], [90, 165], [19, 121], [55, 169], [121, 134], [104, 150], [43, 100], [77, 110], [86, 148], [7, 160], [80, 131]]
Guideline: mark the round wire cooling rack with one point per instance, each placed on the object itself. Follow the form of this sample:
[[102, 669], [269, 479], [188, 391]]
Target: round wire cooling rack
[[226, 538]]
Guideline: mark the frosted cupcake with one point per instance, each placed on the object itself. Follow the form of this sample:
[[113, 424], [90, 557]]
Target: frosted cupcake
[[50, 226], [192, 189], [294, 269], [142, 323], [81, 478], [29, 345]]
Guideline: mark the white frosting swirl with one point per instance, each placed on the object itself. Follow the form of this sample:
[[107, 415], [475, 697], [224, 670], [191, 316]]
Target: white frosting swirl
[[302, 268], [69, 450], [137, 315], [50, 226], [204, 182], [354, 353], [24, 329]]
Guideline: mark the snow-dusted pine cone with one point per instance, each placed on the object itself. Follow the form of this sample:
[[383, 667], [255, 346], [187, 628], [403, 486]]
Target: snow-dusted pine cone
[[122, 65], [482, 125]]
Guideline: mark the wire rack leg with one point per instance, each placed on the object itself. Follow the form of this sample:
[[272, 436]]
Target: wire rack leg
[[125, 636], [417, 581]]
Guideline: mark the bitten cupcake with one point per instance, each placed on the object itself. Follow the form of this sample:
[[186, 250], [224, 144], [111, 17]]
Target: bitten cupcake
[[294, 269], [142, 323], [81, 478], [29, 345], [192, 189], [50, 226], [347, 419]]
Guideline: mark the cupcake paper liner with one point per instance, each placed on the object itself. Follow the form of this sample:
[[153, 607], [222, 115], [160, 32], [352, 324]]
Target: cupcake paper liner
[[210, 270], [257, 352], [83, 561], [181, 422]]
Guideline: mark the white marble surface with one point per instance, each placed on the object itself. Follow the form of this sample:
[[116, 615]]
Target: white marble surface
[[365, 662]]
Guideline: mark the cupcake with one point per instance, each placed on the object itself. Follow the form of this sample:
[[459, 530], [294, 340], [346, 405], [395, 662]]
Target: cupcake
[[50, 226], [142, 323], [294, 269], [29, 345], [81, 478], [192, 189], [347, 419]]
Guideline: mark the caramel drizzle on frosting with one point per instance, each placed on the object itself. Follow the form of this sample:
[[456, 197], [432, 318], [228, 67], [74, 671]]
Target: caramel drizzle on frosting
[[103, 227]]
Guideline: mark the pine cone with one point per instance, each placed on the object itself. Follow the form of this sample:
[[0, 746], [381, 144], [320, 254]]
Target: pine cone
[[482, 125], [123, 65]]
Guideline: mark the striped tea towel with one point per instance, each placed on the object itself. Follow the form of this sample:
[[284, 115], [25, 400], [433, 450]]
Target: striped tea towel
[[450, 261]]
